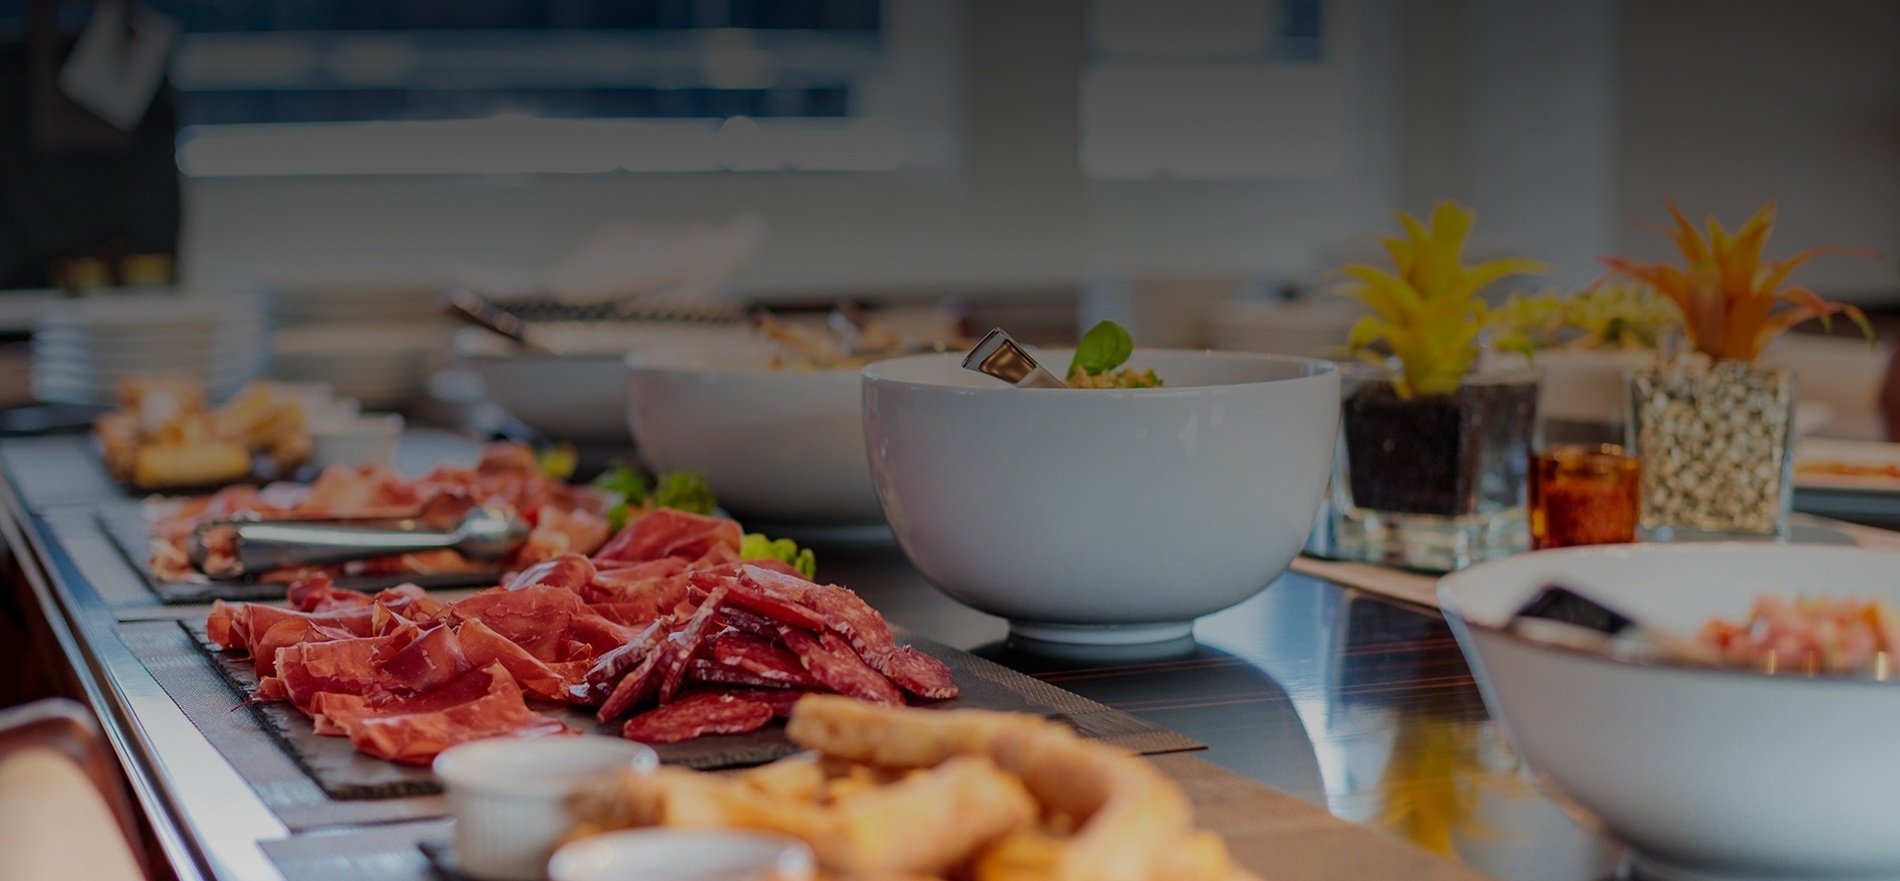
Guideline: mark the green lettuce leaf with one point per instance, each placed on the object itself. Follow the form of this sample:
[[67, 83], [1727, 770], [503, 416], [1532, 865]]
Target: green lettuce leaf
[[685, 491], [757, 547]]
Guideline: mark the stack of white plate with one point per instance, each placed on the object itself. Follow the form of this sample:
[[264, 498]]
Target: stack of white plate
[[1313, 328], [384, 366], [82, 347]]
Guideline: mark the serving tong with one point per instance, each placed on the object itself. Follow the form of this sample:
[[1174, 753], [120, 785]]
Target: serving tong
[[485, 533]]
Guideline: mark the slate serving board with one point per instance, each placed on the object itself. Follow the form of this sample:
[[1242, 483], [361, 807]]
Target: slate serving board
[[343, 773], [126, 527]]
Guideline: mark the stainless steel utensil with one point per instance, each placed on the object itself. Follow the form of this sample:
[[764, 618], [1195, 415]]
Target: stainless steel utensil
[[477, 310], [484, 533], [998, 355]]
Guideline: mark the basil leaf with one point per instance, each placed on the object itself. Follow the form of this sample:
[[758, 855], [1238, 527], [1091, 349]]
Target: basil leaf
[[1102, 349]]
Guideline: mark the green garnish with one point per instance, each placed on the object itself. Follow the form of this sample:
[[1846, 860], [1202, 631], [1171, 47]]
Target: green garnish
[[557, 462], [684, 491], [624, 481], [1102, 349], [757, 547]]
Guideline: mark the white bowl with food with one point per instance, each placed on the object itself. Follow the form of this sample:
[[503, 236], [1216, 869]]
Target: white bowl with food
[[577, 391], [510, 797], [780, 445], [1708, 770], [1103, 516], [684, 855]]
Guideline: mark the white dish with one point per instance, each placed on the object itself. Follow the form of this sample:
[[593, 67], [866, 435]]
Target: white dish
[[776, 445], [684, 855], [1816, 451], [509, 797], [1098, 516], [579, 398], [1706, 773]]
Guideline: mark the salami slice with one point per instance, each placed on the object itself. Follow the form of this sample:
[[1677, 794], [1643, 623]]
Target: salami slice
[[633, 688], [762, 601], [848, 615], [696, 715], [684, 644], [762, 659], [746, 622], [611, 668], [830, 660], [781, 700]]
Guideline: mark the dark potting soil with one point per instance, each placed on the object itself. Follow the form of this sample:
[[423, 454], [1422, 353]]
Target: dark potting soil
[[1447, 455]]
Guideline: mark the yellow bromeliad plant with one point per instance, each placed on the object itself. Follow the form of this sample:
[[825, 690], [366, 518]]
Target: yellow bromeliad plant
[[1734, 303], [1427, 313]]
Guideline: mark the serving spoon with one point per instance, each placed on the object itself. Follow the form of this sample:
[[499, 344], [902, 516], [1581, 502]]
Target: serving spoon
[[998, 354], [484, 533]]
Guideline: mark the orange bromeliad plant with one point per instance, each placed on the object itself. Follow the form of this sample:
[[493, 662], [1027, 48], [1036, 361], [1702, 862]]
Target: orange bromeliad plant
[[1728, 294]]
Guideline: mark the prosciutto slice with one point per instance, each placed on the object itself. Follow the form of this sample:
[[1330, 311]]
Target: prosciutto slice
[[665, 532], [480, 704], [551, 623]]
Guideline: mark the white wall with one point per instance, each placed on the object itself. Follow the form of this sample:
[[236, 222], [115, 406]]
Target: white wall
[[1019, 214], [1728, 103]]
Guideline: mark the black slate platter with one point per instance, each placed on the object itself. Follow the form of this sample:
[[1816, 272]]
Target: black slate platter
[[125, 526], [343, 773]]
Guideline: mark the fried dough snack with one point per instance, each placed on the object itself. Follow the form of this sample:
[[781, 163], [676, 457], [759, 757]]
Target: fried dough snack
[[164, 435], [901, 793]]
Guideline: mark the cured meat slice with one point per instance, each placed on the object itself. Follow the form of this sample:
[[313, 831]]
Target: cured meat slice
[[341, 665], [920, 674], [238, 625], [288, 632], [706, 671], [633, 688], [560, 530], [568, 571], [412, 733], [641, 591], [684, 643], [484, 647], [767, 662], [830, 660], [612, 667], [425, 663], [697, 715], [748, 623], [760, 600], [781, 700], [665, 532], [848, 615], [549, 622], [411, 601], [316, 593]]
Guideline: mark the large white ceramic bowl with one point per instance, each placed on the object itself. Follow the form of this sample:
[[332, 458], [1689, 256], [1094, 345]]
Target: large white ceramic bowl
[[1103, 516], [779, 447], [1706, 773]]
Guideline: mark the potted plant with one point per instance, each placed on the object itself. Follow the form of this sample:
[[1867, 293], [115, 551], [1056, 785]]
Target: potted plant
[[1434, 452], [1584, 345], [1716, 431]]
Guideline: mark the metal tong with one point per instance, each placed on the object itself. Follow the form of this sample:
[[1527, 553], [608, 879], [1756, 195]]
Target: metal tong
[[483, 533]]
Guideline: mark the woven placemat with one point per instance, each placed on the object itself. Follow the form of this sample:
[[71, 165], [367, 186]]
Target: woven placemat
[[1271, 833], [344, 774], [240, 734], [124, 526]]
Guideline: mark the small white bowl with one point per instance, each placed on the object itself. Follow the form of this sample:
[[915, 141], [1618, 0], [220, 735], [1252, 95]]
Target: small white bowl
[[684, 855], [777, 446], [1706, 773], [509, 797], [1103, 516], [355, 440]]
